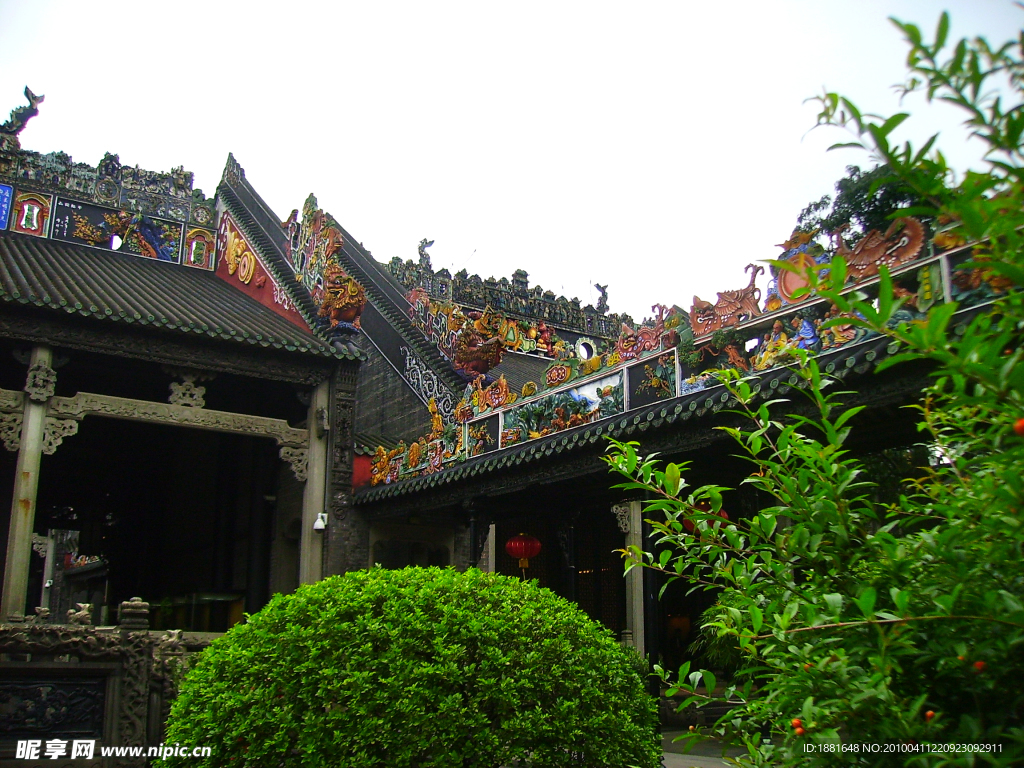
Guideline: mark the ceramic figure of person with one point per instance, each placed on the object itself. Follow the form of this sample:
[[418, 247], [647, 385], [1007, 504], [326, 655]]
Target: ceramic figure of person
[[806, 334]]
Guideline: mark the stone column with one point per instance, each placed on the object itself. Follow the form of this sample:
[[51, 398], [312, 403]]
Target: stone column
[[489, 549], [348, 530], [39, 386], [314, 497], [631, 523]]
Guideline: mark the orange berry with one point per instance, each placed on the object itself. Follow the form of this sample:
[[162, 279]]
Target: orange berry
[[799, 731], [961, 658], [1018, 427], [979, 666], [929, 715], [796, 722], [807, 667]]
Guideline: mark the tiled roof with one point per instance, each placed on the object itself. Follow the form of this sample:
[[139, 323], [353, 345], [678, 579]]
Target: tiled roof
[[120, 288], [858, 358]]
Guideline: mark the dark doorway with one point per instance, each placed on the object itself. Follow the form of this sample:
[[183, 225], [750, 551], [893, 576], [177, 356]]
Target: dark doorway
[[179, 517]]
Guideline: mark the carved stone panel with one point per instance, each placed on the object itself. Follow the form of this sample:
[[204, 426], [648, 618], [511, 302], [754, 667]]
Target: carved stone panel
[[348, 534], [58, 708]]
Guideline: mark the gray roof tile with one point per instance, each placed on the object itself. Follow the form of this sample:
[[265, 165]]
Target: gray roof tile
[[121, 288]]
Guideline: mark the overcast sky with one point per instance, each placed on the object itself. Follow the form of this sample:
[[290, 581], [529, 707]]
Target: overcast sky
[[657, 147]]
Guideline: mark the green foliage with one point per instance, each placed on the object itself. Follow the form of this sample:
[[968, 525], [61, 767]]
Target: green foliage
[[864, 200], [897, 625], [418, 667]]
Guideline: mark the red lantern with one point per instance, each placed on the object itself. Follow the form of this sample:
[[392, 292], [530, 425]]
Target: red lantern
[[524, 546], [704, 507]]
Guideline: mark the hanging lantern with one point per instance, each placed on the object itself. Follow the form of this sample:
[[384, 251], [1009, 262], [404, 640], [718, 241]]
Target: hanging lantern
[[524, 546]]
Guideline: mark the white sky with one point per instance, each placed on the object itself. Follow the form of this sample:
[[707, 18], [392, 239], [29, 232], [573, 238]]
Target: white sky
[[657, 146]]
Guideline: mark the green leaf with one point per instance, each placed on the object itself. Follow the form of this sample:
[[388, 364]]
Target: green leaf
[[756, 619], [941, 33], [709, 682], [891, 124], [834, 601], [866, 602], [672, 479]]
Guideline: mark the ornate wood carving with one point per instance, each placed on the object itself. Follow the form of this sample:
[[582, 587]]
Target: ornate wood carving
[[187, 393], [298, 459], [622, 515], [39, 544], [10, 430], [85, 403], [54, 432], [40, 382], [11, 401]]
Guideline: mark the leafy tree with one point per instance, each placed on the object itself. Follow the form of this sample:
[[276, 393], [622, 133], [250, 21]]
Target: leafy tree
[[873, 634], [418, 668], [864, 200]]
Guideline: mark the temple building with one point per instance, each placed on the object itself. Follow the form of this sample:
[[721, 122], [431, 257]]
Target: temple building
[[204, 402]]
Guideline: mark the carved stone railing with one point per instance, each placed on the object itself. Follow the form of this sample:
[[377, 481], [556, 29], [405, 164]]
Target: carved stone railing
[[113, 685]]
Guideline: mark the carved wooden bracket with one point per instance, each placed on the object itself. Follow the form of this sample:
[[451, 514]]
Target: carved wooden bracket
[[39, 544], [298, 458], [11, 401], [54, 432], [622, 515], [10, 430]]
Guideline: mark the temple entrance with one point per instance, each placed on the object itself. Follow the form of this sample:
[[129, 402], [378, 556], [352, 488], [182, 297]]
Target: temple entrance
[[185, 519]]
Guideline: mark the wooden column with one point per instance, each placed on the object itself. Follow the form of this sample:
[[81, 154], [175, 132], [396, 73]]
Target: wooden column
[[314, 498], [23, 507]]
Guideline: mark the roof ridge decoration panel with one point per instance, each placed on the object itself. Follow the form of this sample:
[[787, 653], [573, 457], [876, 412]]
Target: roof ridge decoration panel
[[515, 298], [681, 355], [242, 267], [354, 292], [338, 289], [110, 207]]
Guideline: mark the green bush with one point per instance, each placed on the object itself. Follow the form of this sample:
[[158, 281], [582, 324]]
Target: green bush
[[870, 633], [418, 667]]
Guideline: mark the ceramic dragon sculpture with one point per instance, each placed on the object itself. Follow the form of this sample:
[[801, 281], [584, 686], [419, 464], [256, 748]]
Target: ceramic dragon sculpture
[[900, 244], [732, 307]]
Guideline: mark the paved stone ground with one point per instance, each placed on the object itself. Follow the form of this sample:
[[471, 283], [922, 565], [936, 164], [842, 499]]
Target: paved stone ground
[[707, 754]]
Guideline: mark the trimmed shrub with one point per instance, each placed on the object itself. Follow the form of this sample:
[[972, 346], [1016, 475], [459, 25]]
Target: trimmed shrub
[[418, 667]]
